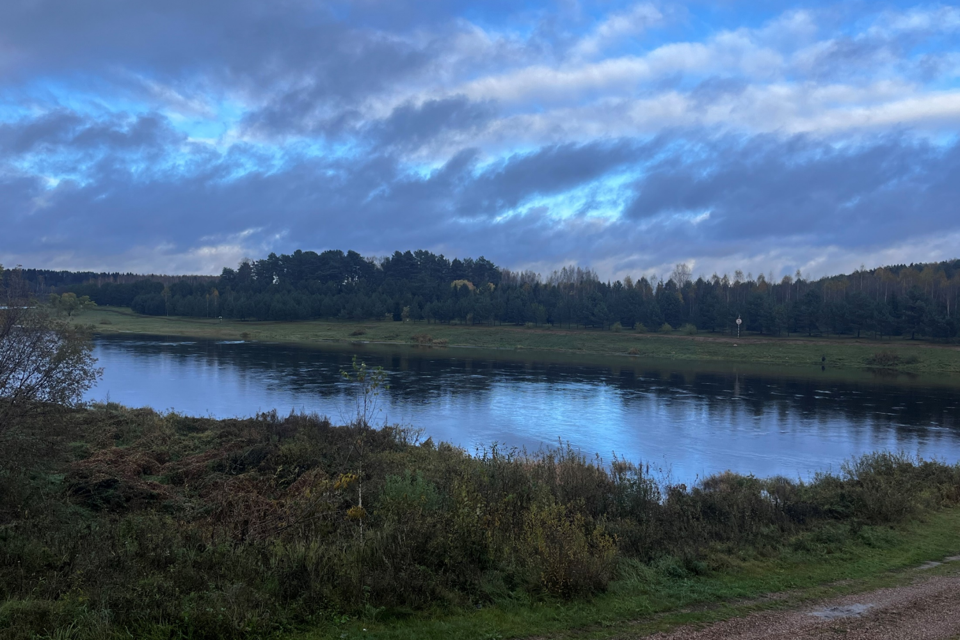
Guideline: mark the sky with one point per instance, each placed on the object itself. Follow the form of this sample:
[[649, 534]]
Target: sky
[[181, 136]]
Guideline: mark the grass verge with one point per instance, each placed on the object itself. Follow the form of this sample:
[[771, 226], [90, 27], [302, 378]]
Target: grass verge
[[647, 599]]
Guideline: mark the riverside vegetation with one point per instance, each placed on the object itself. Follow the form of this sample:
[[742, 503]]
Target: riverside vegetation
[[422, 287], [901, 354], [117, 522]]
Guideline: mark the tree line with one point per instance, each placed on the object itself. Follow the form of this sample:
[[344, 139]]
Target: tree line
[[909, 300]]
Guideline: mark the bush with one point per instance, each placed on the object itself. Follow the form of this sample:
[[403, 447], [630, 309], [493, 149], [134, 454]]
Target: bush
[[640, 327], [569, 556], [616, 327], [688, 329], [890, 360], [665, 328], [883, 359], [191, 527]]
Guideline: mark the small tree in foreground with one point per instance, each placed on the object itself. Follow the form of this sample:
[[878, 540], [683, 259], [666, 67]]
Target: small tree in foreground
[[45, 360]]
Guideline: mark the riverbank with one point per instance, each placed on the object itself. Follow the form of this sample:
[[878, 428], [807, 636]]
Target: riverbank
[[118, 522], [895, 354]]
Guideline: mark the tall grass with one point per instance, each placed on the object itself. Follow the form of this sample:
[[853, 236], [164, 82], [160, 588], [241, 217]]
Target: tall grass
[[167, 526]]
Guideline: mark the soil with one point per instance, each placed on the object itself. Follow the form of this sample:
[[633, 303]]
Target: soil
[[927, 609]]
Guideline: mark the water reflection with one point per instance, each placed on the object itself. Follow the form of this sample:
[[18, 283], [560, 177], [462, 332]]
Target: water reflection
[[691, 422]]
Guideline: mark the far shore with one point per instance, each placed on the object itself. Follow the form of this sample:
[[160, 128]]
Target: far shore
[[897, 354]]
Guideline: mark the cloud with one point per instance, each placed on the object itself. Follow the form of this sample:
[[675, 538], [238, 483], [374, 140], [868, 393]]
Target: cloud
[[170, 136], [632, 22], [769, 189]]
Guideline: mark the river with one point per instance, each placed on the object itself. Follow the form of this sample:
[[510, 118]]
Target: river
[[685, 420]]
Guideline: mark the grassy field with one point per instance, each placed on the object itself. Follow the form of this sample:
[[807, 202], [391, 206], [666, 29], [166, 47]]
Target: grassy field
[[120, 523], [796, 351]]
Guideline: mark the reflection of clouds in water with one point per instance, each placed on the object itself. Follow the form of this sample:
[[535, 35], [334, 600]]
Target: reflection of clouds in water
[[697, 422]]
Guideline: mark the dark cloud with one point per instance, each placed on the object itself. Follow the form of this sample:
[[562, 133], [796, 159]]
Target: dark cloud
[[548, 171], [300, 54], [760, 192], [315, 170], [67, 131], [875, 191], [410, 126]]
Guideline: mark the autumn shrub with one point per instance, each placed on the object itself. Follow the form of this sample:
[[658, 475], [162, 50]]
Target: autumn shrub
[[568, 555], [163, 525]]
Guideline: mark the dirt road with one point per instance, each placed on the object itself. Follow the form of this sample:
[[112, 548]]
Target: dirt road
[[927, 609]]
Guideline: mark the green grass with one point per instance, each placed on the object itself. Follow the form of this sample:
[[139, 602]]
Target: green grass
[[646, 599], [795, 351]]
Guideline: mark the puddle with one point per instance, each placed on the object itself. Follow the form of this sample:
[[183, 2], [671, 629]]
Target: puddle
[[849, 611]]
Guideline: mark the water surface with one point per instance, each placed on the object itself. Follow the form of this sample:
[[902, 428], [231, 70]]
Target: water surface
[[687, 419]]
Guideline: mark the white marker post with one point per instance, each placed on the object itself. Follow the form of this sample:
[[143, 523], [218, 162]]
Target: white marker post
[[738, 326]]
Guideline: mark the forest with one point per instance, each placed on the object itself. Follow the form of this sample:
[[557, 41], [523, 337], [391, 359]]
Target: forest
[[917, 300]]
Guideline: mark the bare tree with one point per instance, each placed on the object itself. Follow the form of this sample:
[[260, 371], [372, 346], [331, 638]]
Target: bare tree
[[45, 361], [681, 274]]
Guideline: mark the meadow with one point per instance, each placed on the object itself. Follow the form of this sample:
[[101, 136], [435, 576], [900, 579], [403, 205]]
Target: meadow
[[892, 353]]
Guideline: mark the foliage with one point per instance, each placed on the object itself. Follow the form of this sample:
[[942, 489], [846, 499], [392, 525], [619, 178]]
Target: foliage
[[688, 329], [69, 303], [151, 525], [45, 361], [419, 286], [890, 360]]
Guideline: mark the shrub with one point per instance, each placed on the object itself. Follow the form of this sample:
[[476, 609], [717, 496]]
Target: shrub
[[883, 359], [189, 527], [640, 327], [665, 328], [616, 327], [688, 329], [569, 556], [407, 495]]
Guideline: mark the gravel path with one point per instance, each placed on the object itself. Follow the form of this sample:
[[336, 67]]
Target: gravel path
[[928, 609]]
